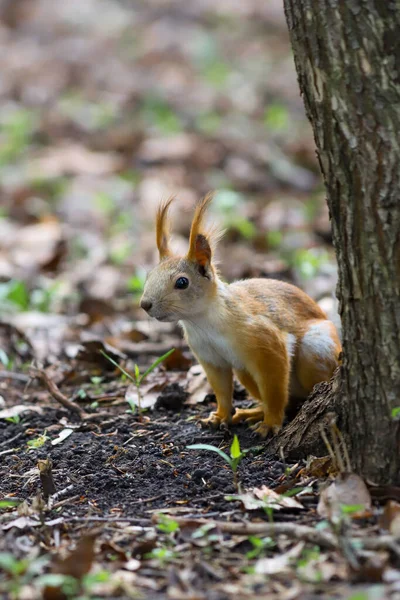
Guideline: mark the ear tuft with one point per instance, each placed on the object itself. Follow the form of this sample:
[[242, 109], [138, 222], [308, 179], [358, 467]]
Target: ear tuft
[[163, 228], [202, 240]]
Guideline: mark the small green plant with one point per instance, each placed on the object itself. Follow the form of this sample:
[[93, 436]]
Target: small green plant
[[17, 128], [15, 419], [396, 413], [18, 573], [260, 545], [166, 524], [159, 115], [138, 378], [39, 441], [309, 261], [233, 460], [162, 555], [136, 283], [97, 381], [8, 503], [276, 118], [14, 294]]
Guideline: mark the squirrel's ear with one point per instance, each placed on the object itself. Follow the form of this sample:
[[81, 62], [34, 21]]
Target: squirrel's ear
[[162, 228], [202, 251], [200, 245]]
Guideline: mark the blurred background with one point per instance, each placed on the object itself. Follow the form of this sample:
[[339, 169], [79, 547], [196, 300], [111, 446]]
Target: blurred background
[[108, 106]]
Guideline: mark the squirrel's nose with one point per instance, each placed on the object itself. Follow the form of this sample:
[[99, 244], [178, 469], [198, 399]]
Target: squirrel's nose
[[146, 305]]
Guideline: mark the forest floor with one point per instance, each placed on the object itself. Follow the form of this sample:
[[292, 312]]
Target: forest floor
[[106, 107]]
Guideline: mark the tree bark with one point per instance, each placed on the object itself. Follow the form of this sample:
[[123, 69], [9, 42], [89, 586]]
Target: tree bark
[[347, 56]]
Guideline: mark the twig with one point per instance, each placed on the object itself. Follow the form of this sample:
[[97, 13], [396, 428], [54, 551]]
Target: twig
[[63, 400], [8, 451], [132, 520], [57, 395], [10, 440], [16, 376], [299, 532]]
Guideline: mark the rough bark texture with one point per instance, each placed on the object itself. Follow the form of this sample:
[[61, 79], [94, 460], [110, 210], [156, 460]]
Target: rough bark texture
[[347, 57]]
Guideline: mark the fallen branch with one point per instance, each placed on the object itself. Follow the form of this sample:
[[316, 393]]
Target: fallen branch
[[57, 394], [63, 400], [298, 532]]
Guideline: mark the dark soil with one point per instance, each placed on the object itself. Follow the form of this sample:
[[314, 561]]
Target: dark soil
[[135, 466]]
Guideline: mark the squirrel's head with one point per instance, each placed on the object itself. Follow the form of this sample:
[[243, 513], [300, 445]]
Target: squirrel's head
[[180, 287]]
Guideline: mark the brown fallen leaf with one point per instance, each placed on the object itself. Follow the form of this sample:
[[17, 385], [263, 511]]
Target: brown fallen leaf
[[90, 352], [348, 490], [264, 497], [37, 246], [74, 159], [197, 385], [177, 361], [76, 564], [279, 563], [317, 467], [390, 518], [18, 409], [79, 561]]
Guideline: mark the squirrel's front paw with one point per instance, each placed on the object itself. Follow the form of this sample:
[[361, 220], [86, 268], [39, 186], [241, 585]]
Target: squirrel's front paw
[[262, 429], [215, 421]]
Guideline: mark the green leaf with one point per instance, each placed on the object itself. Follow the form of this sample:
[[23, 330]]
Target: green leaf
[[113, 362], [211, 449], [137, 373], [156, 363], [276, 117], [349, 509], [396, 413], [8, 503], [16, 293], [235, 448], [166, 524]]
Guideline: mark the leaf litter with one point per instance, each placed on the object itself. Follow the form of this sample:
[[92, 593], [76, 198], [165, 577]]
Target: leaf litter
[[107, 109]]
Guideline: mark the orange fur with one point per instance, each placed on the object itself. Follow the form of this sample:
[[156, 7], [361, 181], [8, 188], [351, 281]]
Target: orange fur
[[270, 334]]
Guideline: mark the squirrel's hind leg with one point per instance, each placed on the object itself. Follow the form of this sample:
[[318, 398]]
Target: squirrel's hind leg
[[270, 371]]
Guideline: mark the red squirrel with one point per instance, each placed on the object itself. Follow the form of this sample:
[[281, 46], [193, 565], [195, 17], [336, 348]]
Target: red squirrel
[[270, 334]]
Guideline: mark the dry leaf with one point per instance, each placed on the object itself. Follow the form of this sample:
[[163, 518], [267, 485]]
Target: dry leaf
[[62, 436], [264, 497], [317, 467], [18, 409], [348, 490], [390, 518], [38, 245], [177, 361], [73, 159], [279, 563], [197, 385], [22, 523], [78, 562]]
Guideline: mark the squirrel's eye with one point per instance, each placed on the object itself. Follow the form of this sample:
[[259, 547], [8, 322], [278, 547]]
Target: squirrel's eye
[[181, 283]]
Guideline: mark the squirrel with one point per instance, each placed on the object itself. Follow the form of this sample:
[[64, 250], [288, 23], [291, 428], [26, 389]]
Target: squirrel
[[270, 334]]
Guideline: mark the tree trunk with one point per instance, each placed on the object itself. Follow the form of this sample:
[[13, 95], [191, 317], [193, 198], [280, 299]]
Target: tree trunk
[[347, 56]]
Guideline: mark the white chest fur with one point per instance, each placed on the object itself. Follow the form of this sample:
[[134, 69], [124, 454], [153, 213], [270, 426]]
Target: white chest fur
[[210, 344]]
